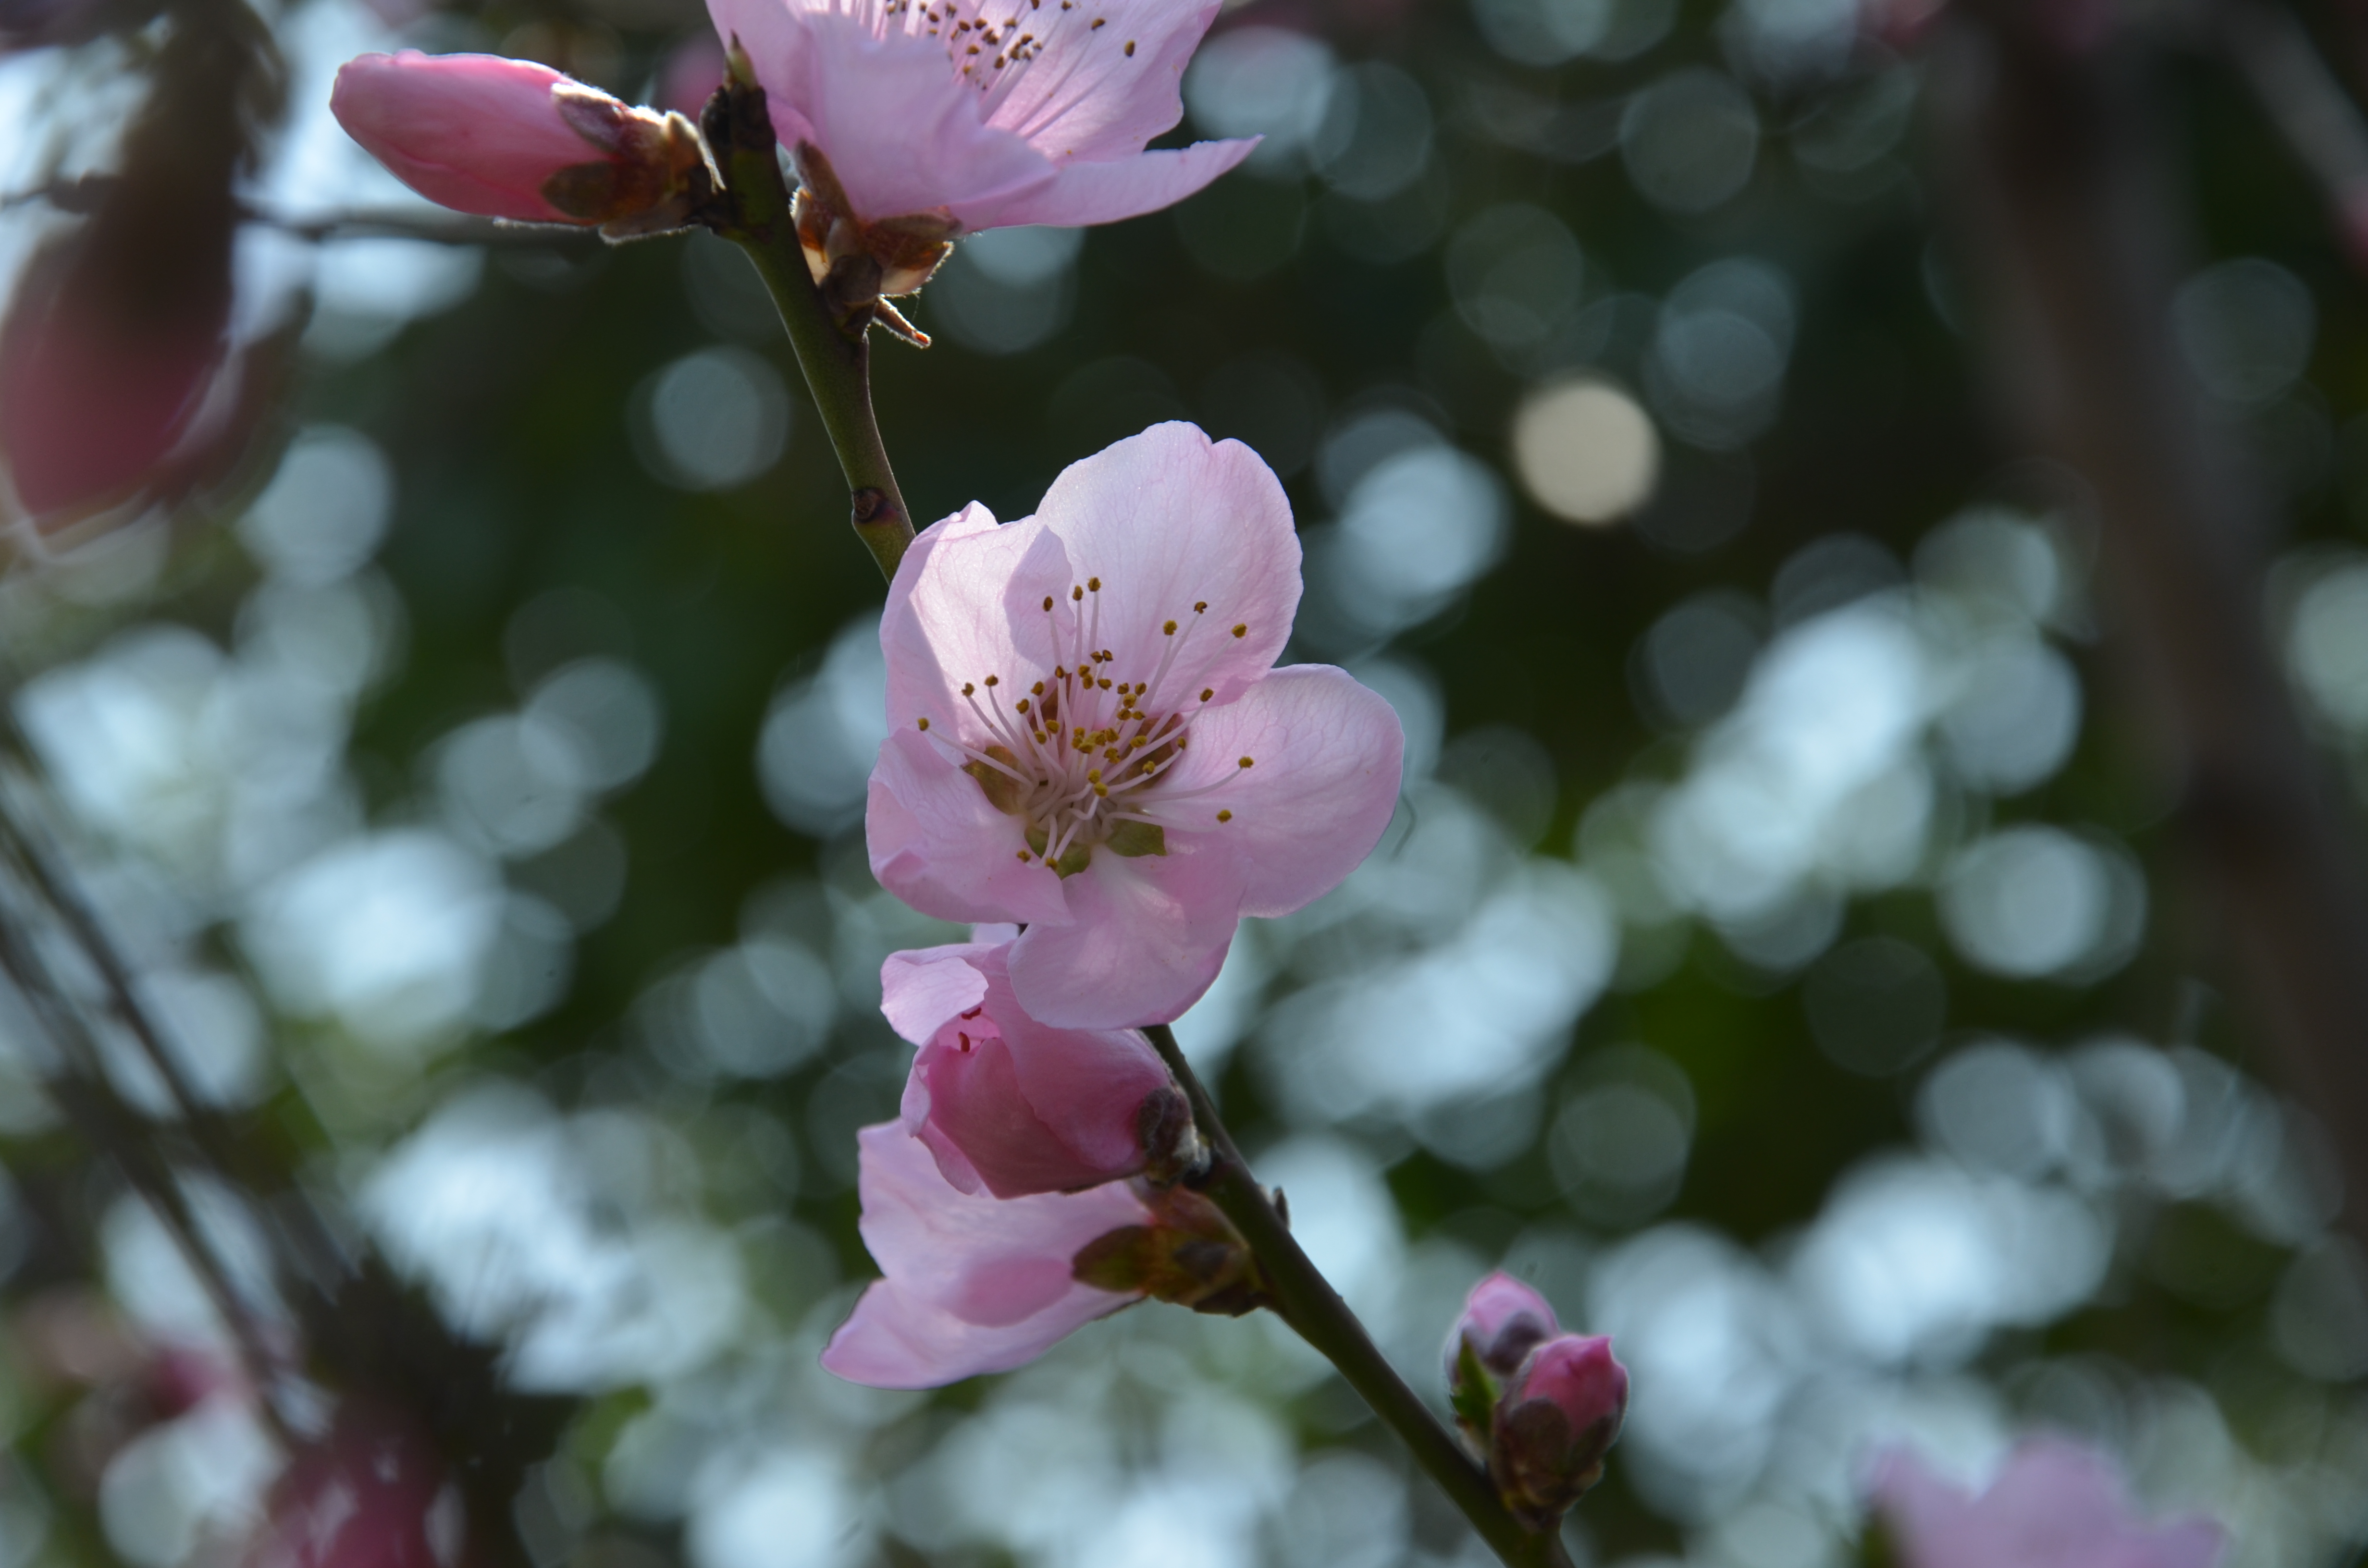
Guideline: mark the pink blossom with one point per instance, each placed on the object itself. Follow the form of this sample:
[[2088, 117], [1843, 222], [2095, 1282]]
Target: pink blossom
[[973, 114], [512, 139], [972, 1284], [1558, 1418], [1503, 1321], [1088, 737], [102, 381], [1008, 1104], [374, 1493], [2055, 1505]]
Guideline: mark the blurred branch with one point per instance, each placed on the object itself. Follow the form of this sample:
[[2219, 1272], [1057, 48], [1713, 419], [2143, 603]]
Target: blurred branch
[[2071, 220], [86, 194], [753, 210], [1305, 1300], [2301, 97]]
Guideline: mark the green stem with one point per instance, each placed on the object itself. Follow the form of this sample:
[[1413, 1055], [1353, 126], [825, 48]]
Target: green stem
[[1305, 1300], [754, 212]]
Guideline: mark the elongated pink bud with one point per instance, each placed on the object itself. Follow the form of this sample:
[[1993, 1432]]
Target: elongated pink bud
[[1557, 1420], [512, 139]]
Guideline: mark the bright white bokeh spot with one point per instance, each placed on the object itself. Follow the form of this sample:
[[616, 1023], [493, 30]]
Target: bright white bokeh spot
[[383, 932], [1586, 451], [2015, 715], [2032, 901], [715, 419], [824, 732], [325, 511], [608, 714], [2326, 646], [1262, 81], [792, 1509]]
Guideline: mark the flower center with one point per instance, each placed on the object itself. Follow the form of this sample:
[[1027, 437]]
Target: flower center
[[1082, 757]]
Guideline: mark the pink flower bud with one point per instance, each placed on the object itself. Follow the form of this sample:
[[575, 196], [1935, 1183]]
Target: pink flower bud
[[1503, 1321], [374, 1493], [2053, 1505], [512, 139], [1556, 1421], [1008, 1105]]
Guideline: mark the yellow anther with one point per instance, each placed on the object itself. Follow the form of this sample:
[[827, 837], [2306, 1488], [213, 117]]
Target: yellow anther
[[1224, 816], [1101, 791], [1022, 706], [968, 688], [992, 681], [1105, 685], [1243, 629], [1207, 692], [1023, 855], [1037, 688], [1093, 775], [1077, 594], [1200, 609], [1048, 601], [1246, 762], [1093, 585], [925, 724], [1169, 629]]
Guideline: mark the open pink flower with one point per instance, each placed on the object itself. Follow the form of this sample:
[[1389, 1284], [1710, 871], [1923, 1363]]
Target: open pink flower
[[2055, 1505], [1088, 737], [512, 139], [1006, 1104], [971, 1284], [973, 114]]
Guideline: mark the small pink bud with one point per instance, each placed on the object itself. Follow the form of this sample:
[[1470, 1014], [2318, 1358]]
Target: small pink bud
[[512, 139], [1503, 1321], [1557, 1420]]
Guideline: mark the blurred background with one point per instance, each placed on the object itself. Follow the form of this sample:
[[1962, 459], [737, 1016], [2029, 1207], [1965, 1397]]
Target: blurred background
[[1864, 519]]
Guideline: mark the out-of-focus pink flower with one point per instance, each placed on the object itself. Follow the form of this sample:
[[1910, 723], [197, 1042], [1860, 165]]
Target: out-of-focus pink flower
[[2055, 1505], [372, 1494], [1558, 1418], [98, 385], [1089, 735], [512, 139], [933, 117], [690, 75], [1503, 1321], [972, 1284], [1003, 1102]]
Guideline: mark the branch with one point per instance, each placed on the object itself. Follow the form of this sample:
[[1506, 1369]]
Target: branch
[[1305, 1300], [753, 211], [2065, 200]]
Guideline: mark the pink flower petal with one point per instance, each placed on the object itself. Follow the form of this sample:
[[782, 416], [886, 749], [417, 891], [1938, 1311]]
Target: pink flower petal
[[1169, 519], [902, 136], [966, 604], [1085, 193], [938, 844], [1100, 92], [923, 992], [1144, 937], [1327, 754], [475, 132], [972, 1284], [2053, 1505]]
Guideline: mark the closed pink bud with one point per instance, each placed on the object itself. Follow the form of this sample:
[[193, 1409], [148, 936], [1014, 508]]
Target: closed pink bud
[[1503, 1321], [371, 1493], [512, 139], [1006, 1103], [1557, 1420]]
